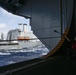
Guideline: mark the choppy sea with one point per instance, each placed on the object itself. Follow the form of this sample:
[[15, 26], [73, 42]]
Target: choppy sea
[[17, 55]]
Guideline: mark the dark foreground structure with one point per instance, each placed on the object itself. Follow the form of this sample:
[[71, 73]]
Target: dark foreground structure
[[46, 16]]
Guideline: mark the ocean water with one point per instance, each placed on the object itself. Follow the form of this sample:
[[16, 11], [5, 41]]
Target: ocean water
[[13, 55]]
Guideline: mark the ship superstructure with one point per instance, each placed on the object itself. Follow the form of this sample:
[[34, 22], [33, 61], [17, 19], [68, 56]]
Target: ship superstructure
[[19, 39]]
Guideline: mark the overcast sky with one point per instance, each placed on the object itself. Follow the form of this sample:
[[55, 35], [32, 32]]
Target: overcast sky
[[9, 21]]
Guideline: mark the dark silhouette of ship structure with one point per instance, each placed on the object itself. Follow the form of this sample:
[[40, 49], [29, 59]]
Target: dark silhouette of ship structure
[[46, 16]]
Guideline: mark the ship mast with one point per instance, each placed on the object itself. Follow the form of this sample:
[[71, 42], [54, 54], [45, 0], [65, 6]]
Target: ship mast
[[25, 29]]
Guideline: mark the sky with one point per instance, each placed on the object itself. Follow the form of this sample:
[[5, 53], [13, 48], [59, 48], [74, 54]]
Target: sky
[[8, 21]]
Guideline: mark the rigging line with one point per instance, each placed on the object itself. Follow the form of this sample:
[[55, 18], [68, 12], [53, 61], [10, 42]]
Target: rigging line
[[30, 39], [44, 38]]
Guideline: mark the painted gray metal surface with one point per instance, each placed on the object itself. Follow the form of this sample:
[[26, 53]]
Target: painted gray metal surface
[[67, 13], [47, 16]]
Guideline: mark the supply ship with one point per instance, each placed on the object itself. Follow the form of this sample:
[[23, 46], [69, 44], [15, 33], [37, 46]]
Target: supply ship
[[19, 39]]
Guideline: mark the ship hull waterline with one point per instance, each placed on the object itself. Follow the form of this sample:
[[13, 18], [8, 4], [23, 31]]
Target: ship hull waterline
[[20, 45]]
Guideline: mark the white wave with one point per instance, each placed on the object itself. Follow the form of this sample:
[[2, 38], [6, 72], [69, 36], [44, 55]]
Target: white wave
[[39, 48], [1, 53], [44, 53], [10, 62]]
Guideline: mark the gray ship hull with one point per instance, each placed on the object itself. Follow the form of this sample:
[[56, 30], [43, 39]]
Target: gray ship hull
[[20, 45]]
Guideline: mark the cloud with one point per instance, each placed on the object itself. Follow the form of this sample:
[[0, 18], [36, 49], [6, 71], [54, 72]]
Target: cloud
[[2, 25]]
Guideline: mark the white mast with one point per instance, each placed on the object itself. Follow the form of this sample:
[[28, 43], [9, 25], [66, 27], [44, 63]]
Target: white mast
[[25, 29], [19, 25]]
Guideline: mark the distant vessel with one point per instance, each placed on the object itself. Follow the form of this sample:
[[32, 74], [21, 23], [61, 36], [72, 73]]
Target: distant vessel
[[17, 39]]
